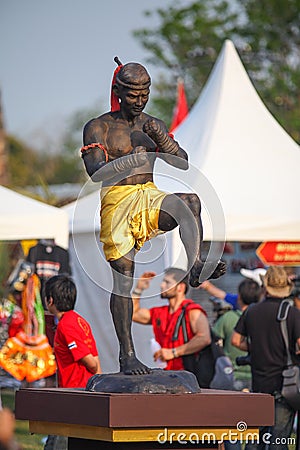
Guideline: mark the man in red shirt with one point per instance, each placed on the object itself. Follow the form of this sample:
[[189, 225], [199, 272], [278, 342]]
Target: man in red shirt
[[164, 318], [74, 344]]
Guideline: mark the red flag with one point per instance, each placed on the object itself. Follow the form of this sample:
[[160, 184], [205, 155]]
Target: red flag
[[181, 109]]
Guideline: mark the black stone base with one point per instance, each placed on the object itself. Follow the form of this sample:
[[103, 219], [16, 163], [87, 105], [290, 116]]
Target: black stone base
[[158, 381]]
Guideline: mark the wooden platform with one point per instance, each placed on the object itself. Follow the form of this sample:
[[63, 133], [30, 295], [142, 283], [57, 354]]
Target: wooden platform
[[88, 417]]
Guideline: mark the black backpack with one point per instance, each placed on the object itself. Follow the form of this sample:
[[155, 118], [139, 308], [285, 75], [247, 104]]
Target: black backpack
[[213, 369]]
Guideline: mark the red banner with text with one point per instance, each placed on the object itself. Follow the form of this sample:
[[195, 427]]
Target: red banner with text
[[279, 253]]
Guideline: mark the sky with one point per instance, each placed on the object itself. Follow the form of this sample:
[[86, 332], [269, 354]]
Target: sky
[[56, 58]]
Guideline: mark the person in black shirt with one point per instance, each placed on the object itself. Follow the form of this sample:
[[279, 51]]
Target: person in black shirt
[[49, 260], [259, 332]]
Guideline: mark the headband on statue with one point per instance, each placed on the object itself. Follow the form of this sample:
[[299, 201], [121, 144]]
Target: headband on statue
[[114, 100]]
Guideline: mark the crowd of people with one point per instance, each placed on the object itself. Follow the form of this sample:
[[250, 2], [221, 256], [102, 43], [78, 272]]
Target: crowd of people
[[249, 331]]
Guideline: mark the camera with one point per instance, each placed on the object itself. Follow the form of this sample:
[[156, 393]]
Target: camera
[[220, 306], [296, 289], [243, 360]]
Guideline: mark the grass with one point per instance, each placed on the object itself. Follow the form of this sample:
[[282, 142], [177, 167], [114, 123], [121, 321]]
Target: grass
[[26, 440]]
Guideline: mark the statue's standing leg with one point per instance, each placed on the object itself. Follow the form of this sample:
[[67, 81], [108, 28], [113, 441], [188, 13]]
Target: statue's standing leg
[[185, 210], [121, 308]]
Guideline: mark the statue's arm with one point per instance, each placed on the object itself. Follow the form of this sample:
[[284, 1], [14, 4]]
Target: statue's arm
[[96, 157], [169, 149]]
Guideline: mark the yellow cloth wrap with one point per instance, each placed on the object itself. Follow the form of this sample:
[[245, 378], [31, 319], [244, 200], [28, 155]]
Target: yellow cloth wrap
[[129, 217]]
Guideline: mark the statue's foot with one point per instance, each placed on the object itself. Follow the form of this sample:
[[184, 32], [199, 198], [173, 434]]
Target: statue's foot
[[130, 365], [196, 275]]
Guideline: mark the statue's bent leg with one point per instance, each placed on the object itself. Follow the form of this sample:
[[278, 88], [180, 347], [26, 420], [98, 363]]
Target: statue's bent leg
[[121, 309], [185, 210]]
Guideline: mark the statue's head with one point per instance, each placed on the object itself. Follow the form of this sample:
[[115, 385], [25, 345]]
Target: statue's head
[[133, 76], [131, 89]]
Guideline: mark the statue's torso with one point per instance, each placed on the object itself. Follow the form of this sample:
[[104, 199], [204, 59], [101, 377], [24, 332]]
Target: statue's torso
[[120, 137]]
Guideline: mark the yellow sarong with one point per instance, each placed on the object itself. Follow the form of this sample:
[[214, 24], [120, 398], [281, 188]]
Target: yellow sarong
[[129, 217]]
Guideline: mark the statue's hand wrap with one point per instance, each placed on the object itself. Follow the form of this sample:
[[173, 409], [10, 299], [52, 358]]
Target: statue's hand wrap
[[158, 134], [138, 157]]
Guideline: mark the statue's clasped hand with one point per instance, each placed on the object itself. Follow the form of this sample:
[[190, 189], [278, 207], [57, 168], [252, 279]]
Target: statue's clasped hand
[[137, 158], [154, 129]]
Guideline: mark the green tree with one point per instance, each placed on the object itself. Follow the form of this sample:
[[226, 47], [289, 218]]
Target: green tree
[[30, 167], [23, 163], [10, 253], [271, 33], [69, 166], [186, 44], [266, 33]]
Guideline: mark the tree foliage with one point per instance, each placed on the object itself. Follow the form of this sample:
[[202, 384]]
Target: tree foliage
[[70, 167], [30, 167], [186, 44], [24, 164], [272, 34], [266, 34]]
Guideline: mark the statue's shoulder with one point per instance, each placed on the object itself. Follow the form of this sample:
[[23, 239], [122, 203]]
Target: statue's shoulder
[[98, 122]]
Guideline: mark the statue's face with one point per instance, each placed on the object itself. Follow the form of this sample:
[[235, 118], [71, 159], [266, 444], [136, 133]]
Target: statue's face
[[133, 101]]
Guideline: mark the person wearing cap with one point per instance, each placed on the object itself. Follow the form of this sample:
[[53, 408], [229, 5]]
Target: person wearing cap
[[120, 149], [258, 331]]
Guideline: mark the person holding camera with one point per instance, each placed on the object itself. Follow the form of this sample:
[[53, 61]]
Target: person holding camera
[[229, 297], [295, 294], [249, 292], [259, 326]]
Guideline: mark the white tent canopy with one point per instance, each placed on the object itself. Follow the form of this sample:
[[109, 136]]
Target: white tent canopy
[[24, 218], [248, 159]]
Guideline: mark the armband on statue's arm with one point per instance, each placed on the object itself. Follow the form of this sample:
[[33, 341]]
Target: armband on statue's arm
[[92, 155], [86, 149]]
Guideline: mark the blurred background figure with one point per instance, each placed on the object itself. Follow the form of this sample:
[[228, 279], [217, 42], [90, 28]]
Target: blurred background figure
[[258, 331], [7, 428], [228, 297], [74, 344], [248, 292], [11, 322], [295, 294], [164, 319], [26, 354], [48, 259]]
